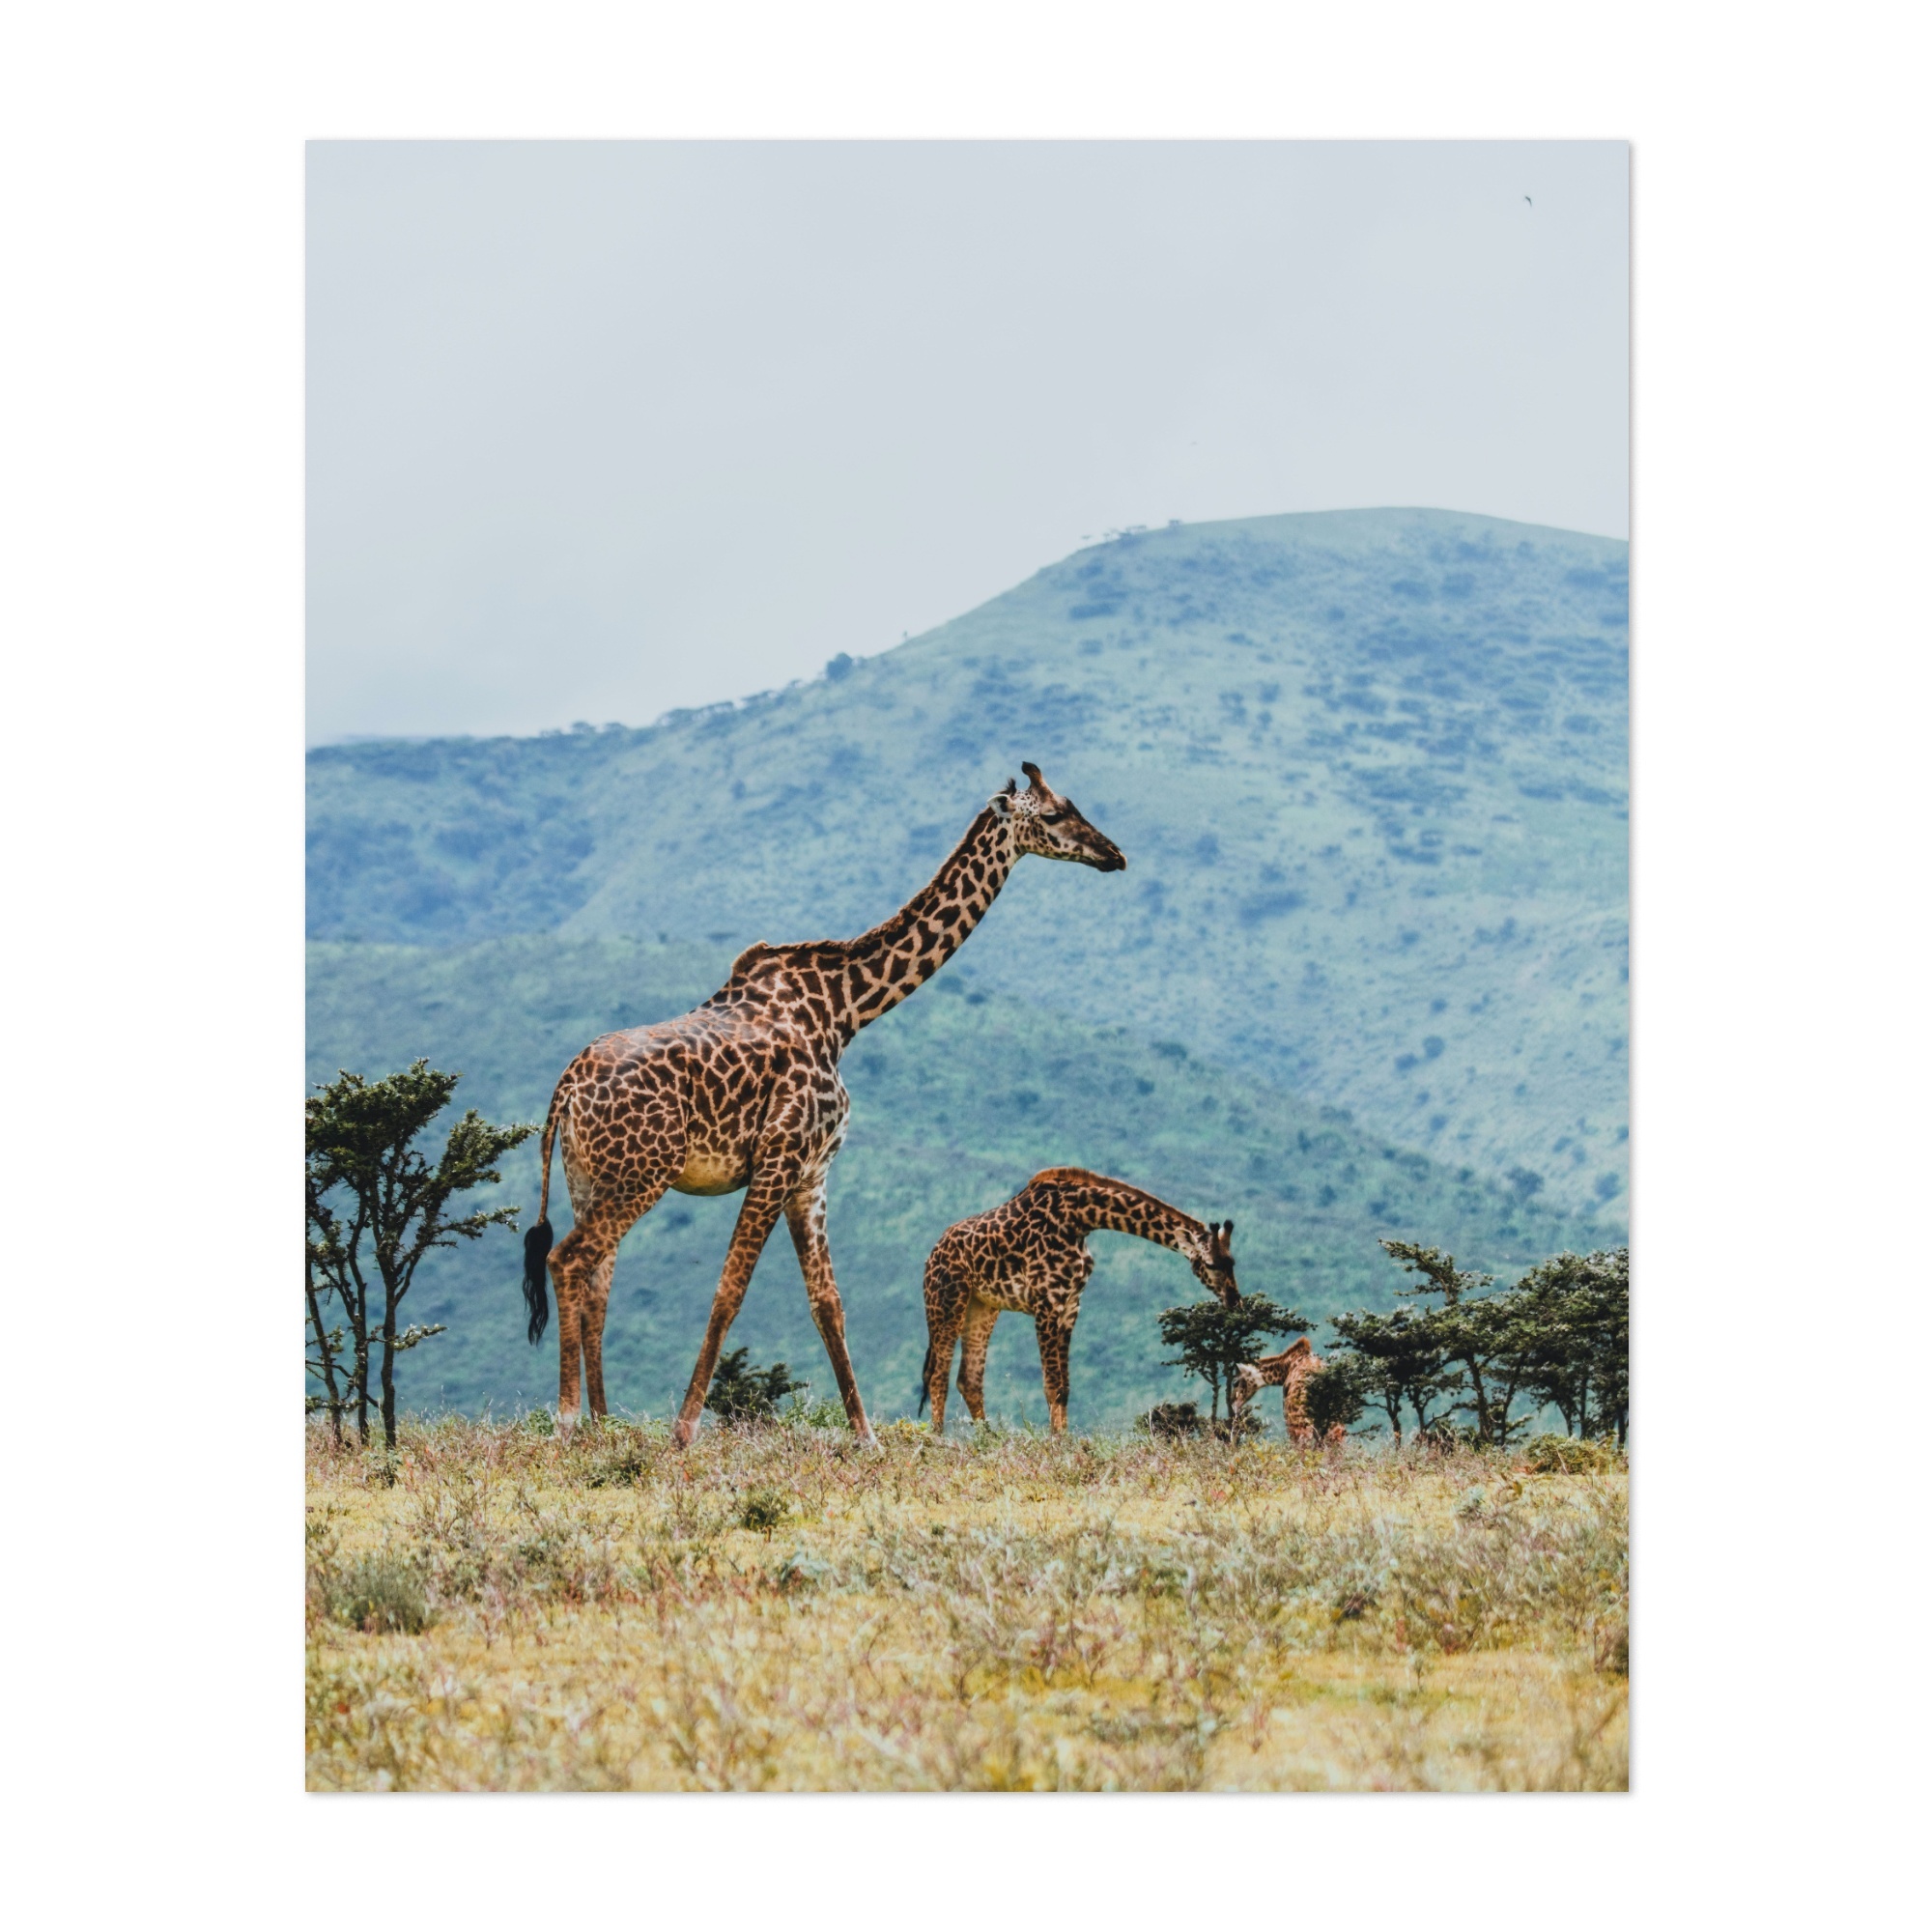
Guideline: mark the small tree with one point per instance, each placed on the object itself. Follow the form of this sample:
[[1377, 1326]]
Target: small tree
[[326, 1277], [1573, 1319], [1212, 1339], [1462, 1329], [361, 1151], [1605, 1293], [338, 1361], [1399, 1359], [747, 1393]]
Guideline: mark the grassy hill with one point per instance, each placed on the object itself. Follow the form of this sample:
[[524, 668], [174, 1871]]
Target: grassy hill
[[959, 1097], [1368, 768], [1366, 973]]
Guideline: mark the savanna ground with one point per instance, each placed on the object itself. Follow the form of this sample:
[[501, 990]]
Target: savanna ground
[[490, 1608]]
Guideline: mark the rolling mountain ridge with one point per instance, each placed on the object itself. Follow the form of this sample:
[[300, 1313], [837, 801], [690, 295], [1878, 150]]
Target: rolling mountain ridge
[[1368, 768]]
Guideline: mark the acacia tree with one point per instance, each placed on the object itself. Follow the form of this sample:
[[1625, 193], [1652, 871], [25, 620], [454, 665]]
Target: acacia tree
[[329, 1277], [1507, 1343], [1465, 1330], [1212, 1339], [376, 1205], [339, 1361], [1573, 1316], [1606, 1290], [1560, 1336], [1400, 1360]]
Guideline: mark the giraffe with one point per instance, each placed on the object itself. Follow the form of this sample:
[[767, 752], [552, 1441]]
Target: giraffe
[[1028, 1254], [1289, 1372], [744, 1092]]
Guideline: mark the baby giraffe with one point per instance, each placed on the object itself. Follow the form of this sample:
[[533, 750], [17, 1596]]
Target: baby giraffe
[[1287, 1372], [1029, 1256]]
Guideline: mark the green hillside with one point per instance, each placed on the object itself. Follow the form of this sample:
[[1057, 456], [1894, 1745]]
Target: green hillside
[[1366, 972], [1368, 768], [957, 1098]]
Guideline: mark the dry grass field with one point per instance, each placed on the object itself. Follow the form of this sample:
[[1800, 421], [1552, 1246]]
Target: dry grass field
[[775, 1610]]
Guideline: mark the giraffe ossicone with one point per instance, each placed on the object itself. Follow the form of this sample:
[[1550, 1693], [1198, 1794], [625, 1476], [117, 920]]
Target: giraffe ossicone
[[1029, 1256], [743, 1092]]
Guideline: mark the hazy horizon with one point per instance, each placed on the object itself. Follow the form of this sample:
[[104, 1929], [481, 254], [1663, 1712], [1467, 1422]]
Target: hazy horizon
[[739, 696], [597, 431]]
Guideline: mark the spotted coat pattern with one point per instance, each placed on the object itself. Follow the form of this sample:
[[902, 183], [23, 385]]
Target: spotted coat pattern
[[1289, 1372], [1028, 1257], [743, 1092]]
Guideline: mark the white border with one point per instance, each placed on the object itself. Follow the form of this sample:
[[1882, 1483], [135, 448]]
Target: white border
[[153, 347]]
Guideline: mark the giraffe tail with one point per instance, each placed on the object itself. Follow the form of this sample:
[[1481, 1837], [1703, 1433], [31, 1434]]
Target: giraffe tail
[[537, 1244], [925, 1381]]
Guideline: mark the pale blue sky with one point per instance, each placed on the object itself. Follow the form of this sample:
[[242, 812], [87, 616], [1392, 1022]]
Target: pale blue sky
[[597, 430]]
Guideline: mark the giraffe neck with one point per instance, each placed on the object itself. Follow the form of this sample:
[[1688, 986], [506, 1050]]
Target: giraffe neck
[[1290, 1367], [1093, 1203], [896, 958]]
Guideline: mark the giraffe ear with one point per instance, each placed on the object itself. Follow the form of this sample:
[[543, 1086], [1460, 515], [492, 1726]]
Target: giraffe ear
[[1002, 802]]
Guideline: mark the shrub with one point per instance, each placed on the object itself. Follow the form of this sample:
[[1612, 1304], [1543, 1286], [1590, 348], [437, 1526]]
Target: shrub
[[743, 1392], [1568, 1455], [615, 1461], [827, 1412], [1237, 1429], [381, 1593], [764, 1510], [1612, 1647], [1170, 1421]]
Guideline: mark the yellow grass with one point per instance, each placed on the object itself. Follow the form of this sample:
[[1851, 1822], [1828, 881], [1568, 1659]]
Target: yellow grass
[[994, 1613]]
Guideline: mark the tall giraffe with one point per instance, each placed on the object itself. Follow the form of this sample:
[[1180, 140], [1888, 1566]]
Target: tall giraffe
[[1029, 1256], [743, 1092], [1289, 1371]]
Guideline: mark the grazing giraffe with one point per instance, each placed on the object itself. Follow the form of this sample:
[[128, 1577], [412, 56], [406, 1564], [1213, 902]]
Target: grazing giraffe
[[743, 1092], [1029, 1256], [1287, 1372]]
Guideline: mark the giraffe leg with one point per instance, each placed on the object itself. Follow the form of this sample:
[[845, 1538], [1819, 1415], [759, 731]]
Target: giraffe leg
[[941, 1368], [764, 1202], [580, 1271], [805, 1215], [1054, 1340], [1294, 1412], [1056, 1302], [568, 1266], [945, 1312], [596, 1304], [596, 1300], [979, 1319]]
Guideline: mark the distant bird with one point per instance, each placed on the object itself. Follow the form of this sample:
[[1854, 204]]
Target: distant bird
[[1531, 203]]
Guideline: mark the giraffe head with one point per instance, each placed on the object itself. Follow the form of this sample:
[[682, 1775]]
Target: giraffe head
[[1247, 1383], [1212, 1260], [1052, 827]]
